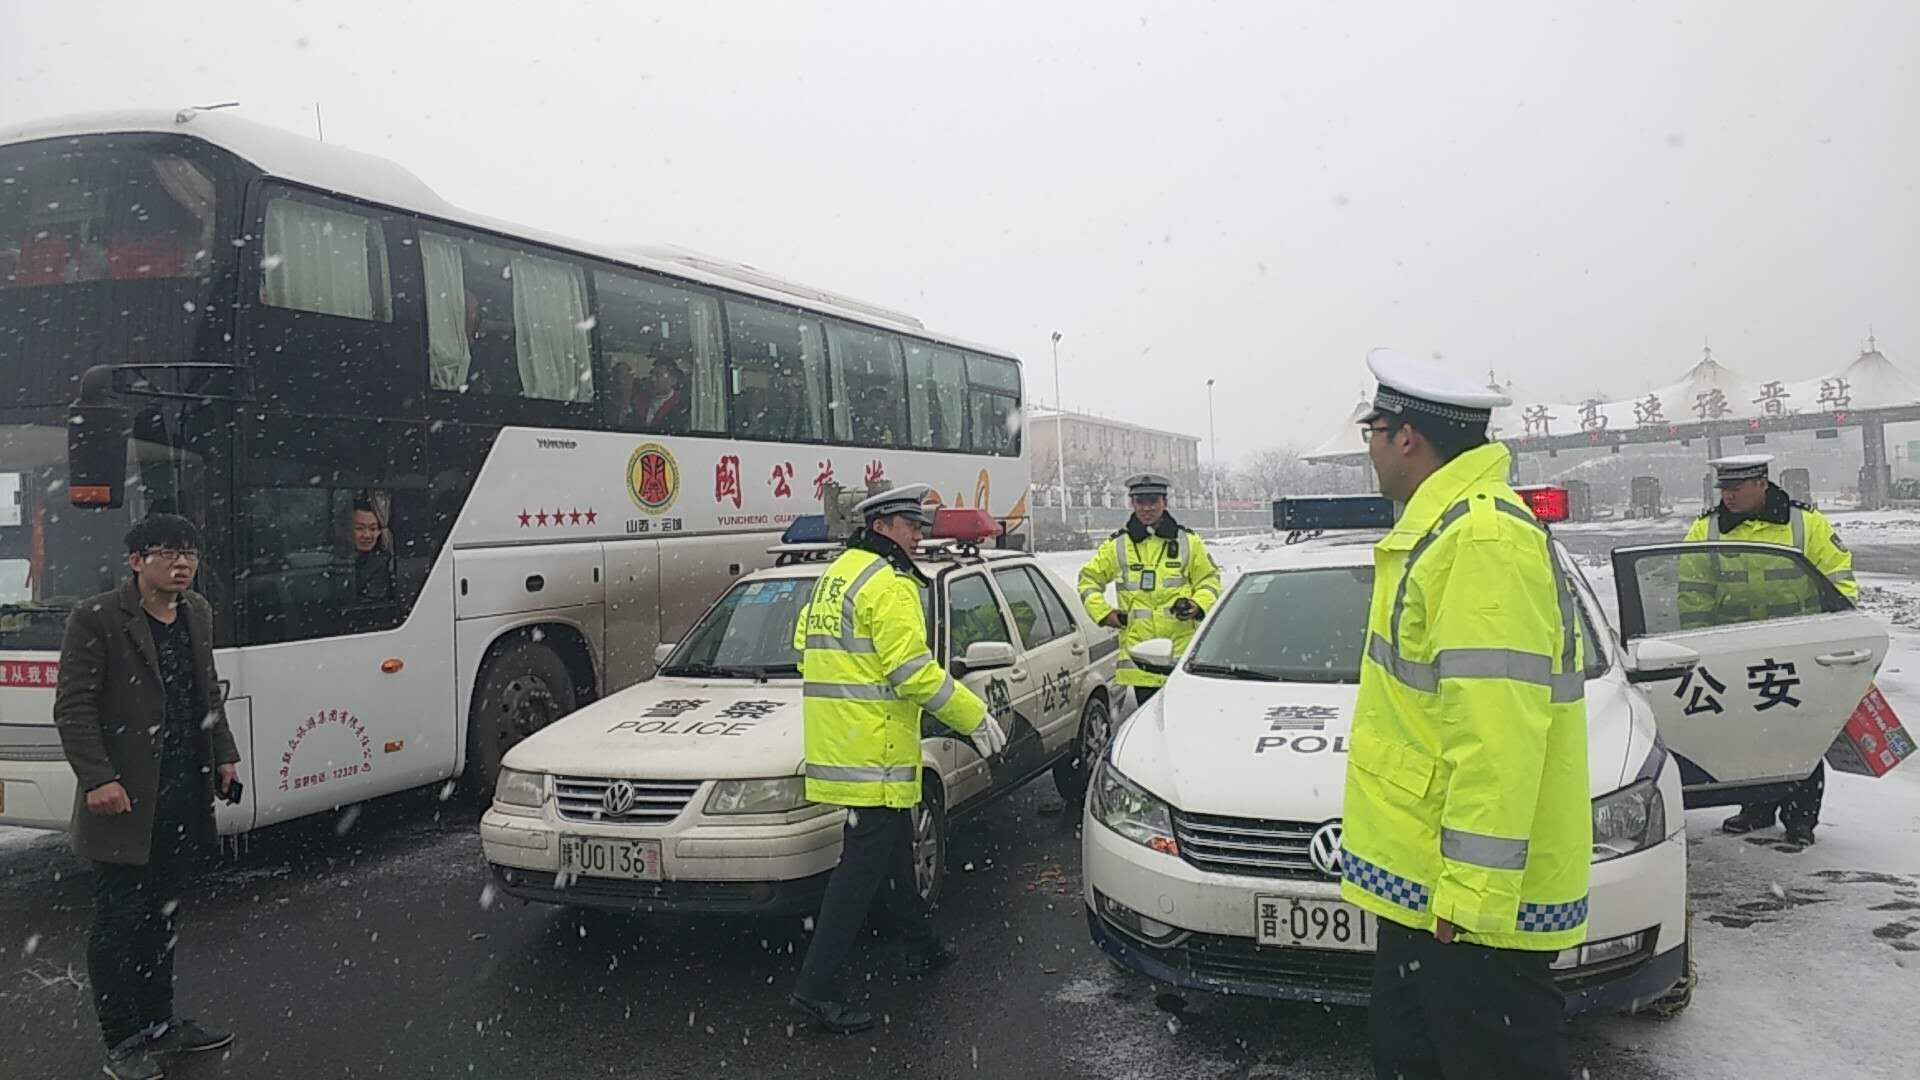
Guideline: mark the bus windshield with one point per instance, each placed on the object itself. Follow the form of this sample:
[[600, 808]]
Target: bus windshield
[[109, 254]]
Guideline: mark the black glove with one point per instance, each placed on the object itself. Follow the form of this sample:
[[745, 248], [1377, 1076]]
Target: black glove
[[1184, 608]]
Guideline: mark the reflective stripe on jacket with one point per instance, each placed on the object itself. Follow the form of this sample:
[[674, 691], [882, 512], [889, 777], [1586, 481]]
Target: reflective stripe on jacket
[[1716, 591], [1467, 794], [868, 674], [1147, 579]]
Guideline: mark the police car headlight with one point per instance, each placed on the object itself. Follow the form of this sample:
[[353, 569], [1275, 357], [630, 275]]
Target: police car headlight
[[516, 788], [1128, 809], [777, 795], [1629, 820]]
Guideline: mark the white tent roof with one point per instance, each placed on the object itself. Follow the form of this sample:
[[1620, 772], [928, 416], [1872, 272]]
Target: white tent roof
[[1343, 447]]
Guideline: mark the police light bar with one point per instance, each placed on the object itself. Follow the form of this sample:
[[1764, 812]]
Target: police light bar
[[1548, 502], [806, 529], [1308, 512], [967, 526]]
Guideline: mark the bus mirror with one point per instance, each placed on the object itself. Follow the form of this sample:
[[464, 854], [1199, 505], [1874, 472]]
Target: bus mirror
[[97, 445]]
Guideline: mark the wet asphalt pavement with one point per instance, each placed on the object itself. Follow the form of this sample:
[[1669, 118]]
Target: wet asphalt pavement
[[381, 951]]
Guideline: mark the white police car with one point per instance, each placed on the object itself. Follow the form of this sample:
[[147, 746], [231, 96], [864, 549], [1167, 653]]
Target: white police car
[[1211, 838], [685, 794]]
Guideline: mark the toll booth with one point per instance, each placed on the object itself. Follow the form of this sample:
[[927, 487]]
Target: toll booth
[[1799, 485], [1644, 497], [1579, 500]]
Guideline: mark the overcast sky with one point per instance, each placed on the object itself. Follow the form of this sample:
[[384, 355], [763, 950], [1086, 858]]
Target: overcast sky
[[1574, 195]]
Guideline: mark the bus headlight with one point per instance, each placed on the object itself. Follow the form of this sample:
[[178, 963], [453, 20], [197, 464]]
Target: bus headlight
[[516, 788], [1128, 809], [777, 795], [1629, 820]]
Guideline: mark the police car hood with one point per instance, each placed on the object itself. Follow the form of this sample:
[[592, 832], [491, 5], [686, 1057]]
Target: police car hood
[[675, 729], [1278, 751]]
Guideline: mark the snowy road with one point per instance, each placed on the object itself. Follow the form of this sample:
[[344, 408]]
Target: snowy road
[[381, 952]]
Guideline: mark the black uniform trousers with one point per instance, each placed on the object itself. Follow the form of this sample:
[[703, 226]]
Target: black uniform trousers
[[876, 855], [130, 947], [1800, 805], [1463, 1012]]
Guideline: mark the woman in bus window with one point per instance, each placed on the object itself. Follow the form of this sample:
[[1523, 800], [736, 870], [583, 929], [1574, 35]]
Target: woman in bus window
[[663, 406]]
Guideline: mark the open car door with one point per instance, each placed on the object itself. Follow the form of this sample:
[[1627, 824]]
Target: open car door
[[1750, 657]]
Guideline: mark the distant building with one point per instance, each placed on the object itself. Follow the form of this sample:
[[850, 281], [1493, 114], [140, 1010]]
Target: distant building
[[1102, 453]]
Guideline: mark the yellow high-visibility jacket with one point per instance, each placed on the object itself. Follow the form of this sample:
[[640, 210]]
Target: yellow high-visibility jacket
[[1716, 592], [1147, 578], [867, 675], [1467, 796]]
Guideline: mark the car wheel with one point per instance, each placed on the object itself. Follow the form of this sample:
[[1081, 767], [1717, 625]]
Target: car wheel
[[1675, 1001], [1096, 730], [525, 687], [929, 842]]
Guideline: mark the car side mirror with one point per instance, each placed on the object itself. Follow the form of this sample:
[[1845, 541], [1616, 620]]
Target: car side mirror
[[662, 651], [1651, 659], [986, 655], [97, 433], [1154, 654]]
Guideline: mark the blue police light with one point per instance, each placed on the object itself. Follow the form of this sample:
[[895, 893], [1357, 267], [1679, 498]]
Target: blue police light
[[806, 529], [1310, 512]]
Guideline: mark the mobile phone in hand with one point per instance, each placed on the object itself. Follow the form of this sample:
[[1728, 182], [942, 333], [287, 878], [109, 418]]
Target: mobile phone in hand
[[233, 792]]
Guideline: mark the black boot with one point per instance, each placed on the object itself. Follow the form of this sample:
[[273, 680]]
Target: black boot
[[1748, 819], [835, 1016], [930, 959], [1800, 832]]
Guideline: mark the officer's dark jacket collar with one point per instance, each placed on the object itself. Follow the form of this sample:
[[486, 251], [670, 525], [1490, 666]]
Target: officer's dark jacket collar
[[1166, 529], [1777, 510], [868, 540]]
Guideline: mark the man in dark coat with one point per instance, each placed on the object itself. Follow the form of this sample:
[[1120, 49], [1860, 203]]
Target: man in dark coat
[[140, 712]]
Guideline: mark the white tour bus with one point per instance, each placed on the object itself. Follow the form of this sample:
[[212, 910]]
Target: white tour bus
[[455, 478]]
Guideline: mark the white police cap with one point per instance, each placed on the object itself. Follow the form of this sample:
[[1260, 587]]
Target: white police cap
[[1411, 386], [1739, 468], [908, 499], [1147, 483]]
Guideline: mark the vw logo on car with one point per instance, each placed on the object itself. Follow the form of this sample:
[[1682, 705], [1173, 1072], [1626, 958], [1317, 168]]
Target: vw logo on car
[[619, 798], [1324, 849]]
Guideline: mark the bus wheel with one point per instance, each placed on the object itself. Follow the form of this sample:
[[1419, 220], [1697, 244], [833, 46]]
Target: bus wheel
[[524, 687]]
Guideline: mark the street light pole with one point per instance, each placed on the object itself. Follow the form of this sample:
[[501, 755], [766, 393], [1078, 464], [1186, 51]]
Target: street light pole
[[1214, 448], [1059, 431]]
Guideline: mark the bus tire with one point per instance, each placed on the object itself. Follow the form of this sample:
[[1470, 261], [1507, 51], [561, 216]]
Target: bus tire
[[523, 687]]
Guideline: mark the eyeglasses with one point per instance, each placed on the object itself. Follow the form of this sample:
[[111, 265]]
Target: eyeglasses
[[1367, 431], [168, 555]]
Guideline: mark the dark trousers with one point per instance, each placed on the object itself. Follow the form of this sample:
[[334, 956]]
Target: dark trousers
[[876, 854], [1144, 694], [1463, 1012], [131, 944], [1801, 805]]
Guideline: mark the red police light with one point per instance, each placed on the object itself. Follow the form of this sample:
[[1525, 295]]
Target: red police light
[[1548, 503], [969, 526]]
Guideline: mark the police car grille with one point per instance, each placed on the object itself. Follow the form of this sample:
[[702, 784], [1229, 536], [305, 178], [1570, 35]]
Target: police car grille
[[656, 802], [1247, 846]]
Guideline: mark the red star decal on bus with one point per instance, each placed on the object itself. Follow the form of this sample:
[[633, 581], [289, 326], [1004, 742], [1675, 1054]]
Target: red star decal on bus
[[573, 518], [525, 518], [541, 517], [591, 515]]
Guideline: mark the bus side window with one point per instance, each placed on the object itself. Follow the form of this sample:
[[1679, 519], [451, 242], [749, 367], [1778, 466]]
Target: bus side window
[[869, 386], [993, 401], [779, 373], [505, 322], [665, 370], [936, 396], [325, 261], [323, 562]]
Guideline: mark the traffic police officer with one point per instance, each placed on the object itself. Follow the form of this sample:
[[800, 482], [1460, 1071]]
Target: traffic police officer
[[1163, 580], [1754, 509], [1468, 824], [868, 675]]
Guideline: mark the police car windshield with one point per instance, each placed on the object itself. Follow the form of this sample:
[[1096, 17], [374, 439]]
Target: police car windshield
[[1289, 625], [747, 635]]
